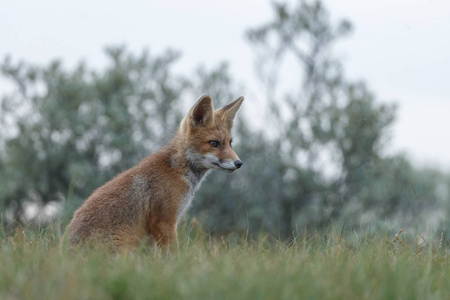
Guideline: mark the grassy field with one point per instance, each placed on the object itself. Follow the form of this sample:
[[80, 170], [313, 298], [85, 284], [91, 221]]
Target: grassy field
[[319, 266]]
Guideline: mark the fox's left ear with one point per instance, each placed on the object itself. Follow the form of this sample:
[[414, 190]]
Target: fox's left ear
[[228, 112]]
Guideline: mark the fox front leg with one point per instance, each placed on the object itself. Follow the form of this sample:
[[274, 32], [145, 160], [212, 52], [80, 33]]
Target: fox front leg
[[165, 235]]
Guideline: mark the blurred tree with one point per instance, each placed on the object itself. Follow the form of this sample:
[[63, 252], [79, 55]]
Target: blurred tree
[[303, 35], [332, 125], [82, 127]]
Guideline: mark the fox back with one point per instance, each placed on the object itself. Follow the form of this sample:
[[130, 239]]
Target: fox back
[[146, 202]]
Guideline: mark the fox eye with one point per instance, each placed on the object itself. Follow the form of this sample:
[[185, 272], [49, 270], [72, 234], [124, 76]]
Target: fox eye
[[214, 144]]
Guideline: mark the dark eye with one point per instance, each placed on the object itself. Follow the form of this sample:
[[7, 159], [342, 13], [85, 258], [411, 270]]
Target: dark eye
[[214, 144]]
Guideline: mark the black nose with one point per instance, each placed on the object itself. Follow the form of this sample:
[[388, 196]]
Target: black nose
[[238, 163]]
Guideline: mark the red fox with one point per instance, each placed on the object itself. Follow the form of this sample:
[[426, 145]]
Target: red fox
[[147, 201]]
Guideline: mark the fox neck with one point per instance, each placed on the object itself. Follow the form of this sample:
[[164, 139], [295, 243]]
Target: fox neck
[[196, 174], [180, 157]]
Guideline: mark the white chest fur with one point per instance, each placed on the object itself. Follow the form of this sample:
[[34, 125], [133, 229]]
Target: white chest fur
[[185, 204], [193, 180]]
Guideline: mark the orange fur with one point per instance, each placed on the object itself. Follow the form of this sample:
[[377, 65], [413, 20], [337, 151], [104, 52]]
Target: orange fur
[[147, 201]]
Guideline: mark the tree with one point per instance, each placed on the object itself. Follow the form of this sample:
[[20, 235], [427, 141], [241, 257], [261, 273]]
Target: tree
[[332, 125], [79, 128]]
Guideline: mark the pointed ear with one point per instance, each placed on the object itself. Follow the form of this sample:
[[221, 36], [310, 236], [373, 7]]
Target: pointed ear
[[202, 112], [228, 112]]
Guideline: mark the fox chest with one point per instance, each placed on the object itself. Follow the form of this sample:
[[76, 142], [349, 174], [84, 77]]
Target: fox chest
[[185, 203], [193, 182]]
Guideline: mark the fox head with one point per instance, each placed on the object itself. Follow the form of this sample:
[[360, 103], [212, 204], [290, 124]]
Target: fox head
[[206, 133]]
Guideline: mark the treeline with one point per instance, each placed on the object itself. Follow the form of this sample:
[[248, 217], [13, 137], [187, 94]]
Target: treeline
[[317, 161]]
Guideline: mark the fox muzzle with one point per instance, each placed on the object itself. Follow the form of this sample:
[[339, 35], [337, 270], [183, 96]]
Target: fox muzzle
[[238, 163]]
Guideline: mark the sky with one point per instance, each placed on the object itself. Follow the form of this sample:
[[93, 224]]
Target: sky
[[401, 49]]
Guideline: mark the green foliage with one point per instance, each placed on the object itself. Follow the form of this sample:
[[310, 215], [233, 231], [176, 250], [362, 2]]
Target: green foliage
[[333, 125], [81, 126]]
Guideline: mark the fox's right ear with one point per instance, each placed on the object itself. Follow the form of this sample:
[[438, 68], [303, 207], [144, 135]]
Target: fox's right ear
[[201, 114]]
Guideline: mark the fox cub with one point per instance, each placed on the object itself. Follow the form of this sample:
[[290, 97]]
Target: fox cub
[[147, 201]]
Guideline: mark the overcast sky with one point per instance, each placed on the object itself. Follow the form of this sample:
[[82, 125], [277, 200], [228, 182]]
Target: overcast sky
[[400, 48]]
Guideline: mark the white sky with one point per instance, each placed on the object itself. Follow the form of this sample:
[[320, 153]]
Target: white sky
[[400, 48]]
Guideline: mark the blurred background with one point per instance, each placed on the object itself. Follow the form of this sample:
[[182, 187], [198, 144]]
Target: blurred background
[[345, 121]]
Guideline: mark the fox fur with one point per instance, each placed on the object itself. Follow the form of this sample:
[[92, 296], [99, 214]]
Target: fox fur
[[146, 202]]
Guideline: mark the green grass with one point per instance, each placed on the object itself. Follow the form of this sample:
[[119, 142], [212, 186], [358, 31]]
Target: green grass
[[320, 266]]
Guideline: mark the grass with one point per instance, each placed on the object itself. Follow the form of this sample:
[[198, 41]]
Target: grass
[[320, 266]]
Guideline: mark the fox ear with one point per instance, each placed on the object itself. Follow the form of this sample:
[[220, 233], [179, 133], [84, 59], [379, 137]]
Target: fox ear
[[202, 112], [228, 112]]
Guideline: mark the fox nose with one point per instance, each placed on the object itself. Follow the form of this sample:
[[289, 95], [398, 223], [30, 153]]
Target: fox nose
[[238, 163]]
